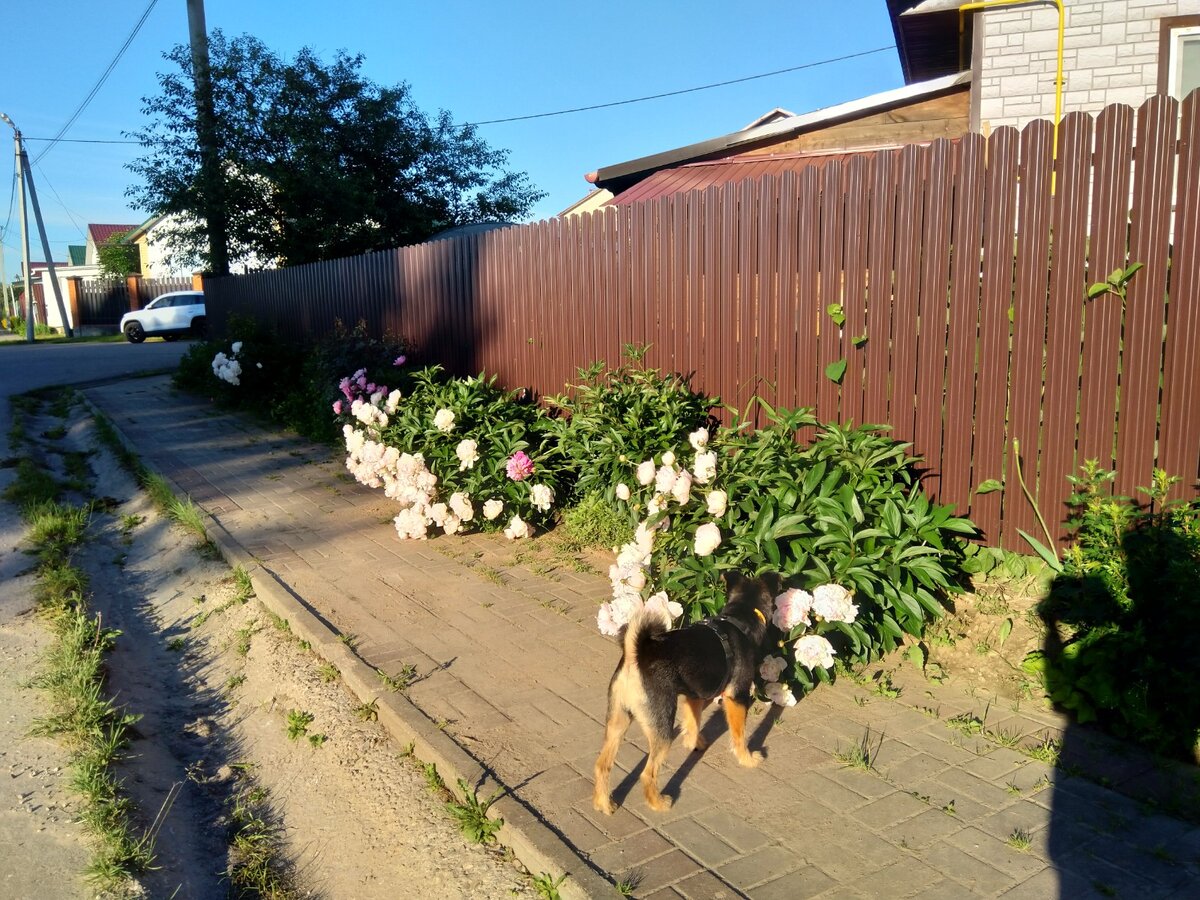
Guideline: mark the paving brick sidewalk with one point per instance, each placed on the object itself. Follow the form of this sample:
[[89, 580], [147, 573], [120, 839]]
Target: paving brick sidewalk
[[513, 668]]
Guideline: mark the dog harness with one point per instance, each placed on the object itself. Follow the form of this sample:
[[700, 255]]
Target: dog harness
[[711, 623]]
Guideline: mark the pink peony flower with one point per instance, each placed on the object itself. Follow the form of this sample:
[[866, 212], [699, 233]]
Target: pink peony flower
[[337, 407], [791, 609], [519, 466], [400, 360]]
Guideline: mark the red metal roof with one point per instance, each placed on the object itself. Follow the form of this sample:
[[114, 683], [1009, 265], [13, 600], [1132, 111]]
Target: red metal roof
[[700, 175], [101, 233]]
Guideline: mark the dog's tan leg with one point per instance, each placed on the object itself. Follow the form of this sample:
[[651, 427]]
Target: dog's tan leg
[[692, 710], [618, 724], [658, 751], [735, 715]]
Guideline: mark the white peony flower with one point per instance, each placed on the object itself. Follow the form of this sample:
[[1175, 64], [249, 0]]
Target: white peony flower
[[662, 602], [772, 667], [717, 501], [832, 603], [698, 438], [645, 472], [460, 505], [682, 489], [623, 491], [468, 454], [516, 529], [443, 420], [780, 694], [393, 402], [812, 650], [664, 479], [237, 347], [791, 609], [492, 509], [708, 538], [668, 458], [705, 467], [543, 497]]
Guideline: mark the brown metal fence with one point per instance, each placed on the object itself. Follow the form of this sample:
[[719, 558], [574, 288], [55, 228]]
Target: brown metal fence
[[102, 302], [149, 288], [961, 276]]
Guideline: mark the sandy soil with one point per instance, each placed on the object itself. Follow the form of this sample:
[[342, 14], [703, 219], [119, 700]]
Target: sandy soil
[[214, 681]]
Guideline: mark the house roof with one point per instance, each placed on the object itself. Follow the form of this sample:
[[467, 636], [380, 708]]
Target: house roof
[[927, 37], [622, 176], [101, 234], [139, 231], [76, 254], [700, 175]]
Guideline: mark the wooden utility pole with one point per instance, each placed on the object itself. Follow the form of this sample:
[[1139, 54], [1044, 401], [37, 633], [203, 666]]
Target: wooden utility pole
[[211, 177], [24, 231], [37, 215]]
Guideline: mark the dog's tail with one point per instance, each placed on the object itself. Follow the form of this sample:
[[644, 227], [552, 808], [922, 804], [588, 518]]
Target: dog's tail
[[647, 623]]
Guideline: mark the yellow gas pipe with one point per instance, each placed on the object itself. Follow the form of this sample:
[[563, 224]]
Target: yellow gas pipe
[[1058, 78]]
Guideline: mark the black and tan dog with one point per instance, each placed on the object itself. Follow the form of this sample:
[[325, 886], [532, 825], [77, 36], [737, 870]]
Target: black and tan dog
[[716, 657]]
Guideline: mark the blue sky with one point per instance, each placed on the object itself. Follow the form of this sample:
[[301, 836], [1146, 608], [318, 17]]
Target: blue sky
[[478, 60]]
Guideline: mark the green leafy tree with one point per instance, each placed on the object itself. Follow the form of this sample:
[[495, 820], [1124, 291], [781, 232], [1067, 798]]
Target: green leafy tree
[[117, 259], [318, 161]]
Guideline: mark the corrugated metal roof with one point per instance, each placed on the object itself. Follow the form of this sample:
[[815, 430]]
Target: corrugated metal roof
[[76, 254], [101, 233], [698, 176]]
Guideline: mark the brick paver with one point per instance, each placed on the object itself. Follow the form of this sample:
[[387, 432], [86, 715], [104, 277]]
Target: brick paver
[[510, 664]]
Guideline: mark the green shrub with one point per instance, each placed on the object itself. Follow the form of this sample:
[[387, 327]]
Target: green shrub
[[1119, 610], [620, 417], [846, 510], [596, 522], [491, 454]]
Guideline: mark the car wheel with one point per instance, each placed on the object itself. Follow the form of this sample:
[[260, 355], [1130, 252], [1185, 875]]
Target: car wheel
[[134, 333], [199, 327]]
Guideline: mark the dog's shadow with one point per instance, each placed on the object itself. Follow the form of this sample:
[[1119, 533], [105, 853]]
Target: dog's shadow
[[713, 729]]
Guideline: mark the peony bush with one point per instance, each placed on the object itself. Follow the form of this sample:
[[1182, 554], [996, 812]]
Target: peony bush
[[842, 519], [456, 454]]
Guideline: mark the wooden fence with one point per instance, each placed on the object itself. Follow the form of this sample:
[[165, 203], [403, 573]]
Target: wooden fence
[[961, 277]]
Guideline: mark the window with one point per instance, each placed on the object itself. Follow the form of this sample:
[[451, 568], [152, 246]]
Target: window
[[1179, 56]]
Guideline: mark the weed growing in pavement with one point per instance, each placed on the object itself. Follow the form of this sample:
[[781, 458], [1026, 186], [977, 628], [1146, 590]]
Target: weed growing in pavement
[[350, 640], [244, 587], [244, 635], [401, 680], [367, 712], [256, 867], [32, 486], [1020, 839], [471, 815], [965, 723], [176, 644], [328, 673], [1048, 751], [234, 682], [433, 780], [546, 885], [298, 722], [93, 725], [280, 623], [861, 755], [318, 740]]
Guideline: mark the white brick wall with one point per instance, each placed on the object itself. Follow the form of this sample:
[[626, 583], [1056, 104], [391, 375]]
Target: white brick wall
[[1110, 55]]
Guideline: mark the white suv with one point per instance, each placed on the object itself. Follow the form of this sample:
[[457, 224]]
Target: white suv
[[168, 316]]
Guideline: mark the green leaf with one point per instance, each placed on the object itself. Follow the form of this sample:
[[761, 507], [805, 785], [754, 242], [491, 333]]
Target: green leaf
[[1005, 630], [1048, 555], [835, 371], [836, 313], [916, 655], [987, 487], [1100, 287], [858, 340]]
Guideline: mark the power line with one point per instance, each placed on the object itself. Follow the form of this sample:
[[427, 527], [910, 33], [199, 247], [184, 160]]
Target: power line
[[77, 140], [99, 83], [46, 181], [704, 87]]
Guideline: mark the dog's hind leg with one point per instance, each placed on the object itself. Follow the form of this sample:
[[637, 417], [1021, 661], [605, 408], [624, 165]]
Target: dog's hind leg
[[618, 723], [693, 707], [735, 715], [659, 745]]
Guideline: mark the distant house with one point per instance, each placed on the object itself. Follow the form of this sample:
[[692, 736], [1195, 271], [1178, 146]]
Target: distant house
[[151, 240], [97, 235], [965, 71], [1113, 51], [77, 255]]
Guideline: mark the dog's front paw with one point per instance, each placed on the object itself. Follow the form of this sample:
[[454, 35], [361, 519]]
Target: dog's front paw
[[604, 804], [661, 803], [750, 759], [698, 743]]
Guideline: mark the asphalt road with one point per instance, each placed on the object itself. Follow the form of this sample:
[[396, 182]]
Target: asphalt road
[[24, 367]]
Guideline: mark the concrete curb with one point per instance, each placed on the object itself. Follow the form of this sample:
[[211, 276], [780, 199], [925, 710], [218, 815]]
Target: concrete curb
[[539, 848]]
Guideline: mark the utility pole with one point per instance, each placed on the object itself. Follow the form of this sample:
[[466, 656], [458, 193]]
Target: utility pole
[[10, 303], [206, 135], [24, 170], [24, 232]]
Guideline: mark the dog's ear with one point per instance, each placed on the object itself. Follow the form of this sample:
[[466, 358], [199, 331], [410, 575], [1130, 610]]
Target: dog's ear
[[732, 578]]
